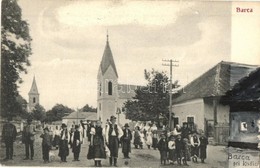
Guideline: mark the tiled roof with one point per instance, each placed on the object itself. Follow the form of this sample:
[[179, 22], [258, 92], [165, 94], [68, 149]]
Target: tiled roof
[[107, 60], [215, 82], [126, 91], [82, 115], [246, 90]]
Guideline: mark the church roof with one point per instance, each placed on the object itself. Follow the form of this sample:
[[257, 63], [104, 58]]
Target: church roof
[[107, 59], [126, 91], [215, 82], [82, 115], [34, 89]]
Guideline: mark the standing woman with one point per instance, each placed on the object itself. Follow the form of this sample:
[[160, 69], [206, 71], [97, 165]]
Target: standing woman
[[98, 144], [203, 147], [126, 141], [149, 138], [64, 143], [137, 137]]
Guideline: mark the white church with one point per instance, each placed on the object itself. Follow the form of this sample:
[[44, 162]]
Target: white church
[[111, 95]]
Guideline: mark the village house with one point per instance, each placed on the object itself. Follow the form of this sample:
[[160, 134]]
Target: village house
[[75, 117], [244, 102], [199, 105]]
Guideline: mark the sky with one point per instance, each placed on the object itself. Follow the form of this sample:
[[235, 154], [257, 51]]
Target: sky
[[69, 38]]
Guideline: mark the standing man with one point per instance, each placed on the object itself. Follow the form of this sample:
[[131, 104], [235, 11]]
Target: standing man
[[113, 133], [76, 140], [126, 141], [28, 138], [9, 135]]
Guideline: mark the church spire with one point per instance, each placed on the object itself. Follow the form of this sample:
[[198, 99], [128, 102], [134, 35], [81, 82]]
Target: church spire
[[107, 59], [34, 89], [107, 37]]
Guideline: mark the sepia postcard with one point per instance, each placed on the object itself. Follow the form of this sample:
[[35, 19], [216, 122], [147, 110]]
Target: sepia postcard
[[125, 83]]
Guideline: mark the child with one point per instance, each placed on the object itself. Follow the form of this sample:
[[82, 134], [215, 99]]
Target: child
[[185, 151], [171, 146], [203, 147], [195, 143], [178, 149], [163, 148], [46, 144], [154, 140]]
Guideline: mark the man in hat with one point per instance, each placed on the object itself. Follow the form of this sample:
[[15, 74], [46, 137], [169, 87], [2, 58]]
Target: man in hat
[[28, 138], [76, 139], [9, 135], [113, 133], [126, 141], [64, 143]]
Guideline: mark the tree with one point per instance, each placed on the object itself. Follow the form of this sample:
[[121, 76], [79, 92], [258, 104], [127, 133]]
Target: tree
[[88, 108], [39, 113], [151, 100], [22, 107], [57, 113], [15, 51]]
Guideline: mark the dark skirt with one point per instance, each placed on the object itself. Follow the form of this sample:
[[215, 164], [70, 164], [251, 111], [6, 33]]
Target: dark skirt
[[203, 152], [126, 146], [97, 150], [172, 155], [63, 148], [137, 141], [195, 151], [155, 142], [163, 155]]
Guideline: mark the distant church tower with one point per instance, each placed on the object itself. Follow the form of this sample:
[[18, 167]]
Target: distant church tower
[[33, 96], [107, 86]]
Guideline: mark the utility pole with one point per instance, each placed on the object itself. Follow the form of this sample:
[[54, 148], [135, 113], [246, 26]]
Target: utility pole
[[170, 90]]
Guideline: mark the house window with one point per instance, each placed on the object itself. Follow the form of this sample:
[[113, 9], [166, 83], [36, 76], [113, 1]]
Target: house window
[[99, 106], [34, 100], [110, 88], [190, 119]]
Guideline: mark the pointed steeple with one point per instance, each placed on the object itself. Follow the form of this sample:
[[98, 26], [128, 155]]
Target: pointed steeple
[[34, 89], [107, 59]]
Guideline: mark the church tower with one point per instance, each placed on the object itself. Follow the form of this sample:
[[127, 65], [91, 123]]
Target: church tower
[[33, 96], [107, 93]]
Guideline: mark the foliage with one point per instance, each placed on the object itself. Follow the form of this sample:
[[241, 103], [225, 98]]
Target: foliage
[[39, 113], [22, 107], [15, 50], [57, 113], [88, 108], [151, 100]]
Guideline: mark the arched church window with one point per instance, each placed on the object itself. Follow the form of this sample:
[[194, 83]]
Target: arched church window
[[34, 100], [110, 88]]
